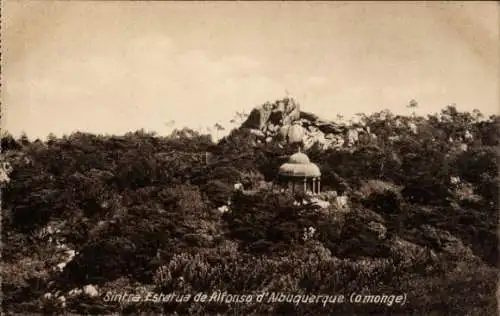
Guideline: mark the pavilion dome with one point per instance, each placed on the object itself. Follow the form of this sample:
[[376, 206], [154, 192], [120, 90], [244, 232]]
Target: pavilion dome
[[309, 170], [299, 165]]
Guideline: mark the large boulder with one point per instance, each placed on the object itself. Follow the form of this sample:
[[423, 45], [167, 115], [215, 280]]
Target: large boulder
[[295, 134], [281, 112], [90, 290], [258, 117]]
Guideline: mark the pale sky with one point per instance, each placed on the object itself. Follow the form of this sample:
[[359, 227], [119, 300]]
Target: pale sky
[[113, 67]]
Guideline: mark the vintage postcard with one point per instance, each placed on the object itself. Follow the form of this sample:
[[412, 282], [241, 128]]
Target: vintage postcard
[[249, 158]]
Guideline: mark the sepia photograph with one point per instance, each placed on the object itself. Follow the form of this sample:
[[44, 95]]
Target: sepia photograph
[[249, 157]]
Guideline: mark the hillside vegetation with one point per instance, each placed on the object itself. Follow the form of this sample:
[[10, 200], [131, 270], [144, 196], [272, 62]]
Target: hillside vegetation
[[142, 213]]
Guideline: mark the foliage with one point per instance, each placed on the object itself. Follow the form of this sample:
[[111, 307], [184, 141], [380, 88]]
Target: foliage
[[140, 210]]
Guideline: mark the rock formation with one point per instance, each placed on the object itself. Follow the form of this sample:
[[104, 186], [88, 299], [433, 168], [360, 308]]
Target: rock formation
[[279, 121]]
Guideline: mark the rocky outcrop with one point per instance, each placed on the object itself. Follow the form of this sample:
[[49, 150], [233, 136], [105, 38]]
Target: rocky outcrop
[[283, 121], [90, 290]]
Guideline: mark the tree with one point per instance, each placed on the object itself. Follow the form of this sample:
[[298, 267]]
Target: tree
[[8, 142], [412, 105], [218, 128], [239, 118], [140, 211]]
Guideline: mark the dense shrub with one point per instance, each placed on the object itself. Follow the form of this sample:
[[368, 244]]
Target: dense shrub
[[143, 213]]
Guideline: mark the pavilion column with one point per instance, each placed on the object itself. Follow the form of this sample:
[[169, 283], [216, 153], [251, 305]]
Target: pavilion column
[[305, 185], [319, 185], [314, 186]]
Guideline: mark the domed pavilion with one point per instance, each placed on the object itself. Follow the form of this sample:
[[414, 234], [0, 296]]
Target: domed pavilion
[[299, 169]]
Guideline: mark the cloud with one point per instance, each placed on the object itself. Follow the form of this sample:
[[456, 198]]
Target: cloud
[[106, 75], [317, 81], [144, 82]]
